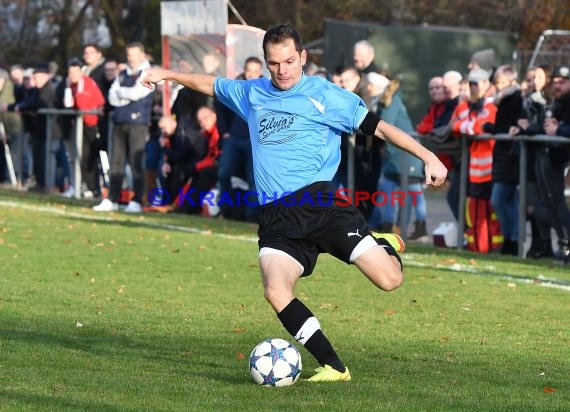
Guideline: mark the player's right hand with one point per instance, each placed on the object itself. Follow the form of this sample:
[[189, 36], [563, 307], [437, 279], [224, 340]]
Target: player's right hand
[[150, 77]]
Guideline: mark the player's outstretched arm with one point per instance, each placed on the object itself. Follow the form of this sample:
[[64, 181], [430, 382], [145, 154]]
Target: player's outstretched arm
[[435, 171], [203, 83]]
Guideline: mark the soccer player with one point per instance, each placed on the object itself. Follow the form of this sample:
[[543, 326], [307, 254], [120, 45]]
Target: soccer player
[[295, 122]]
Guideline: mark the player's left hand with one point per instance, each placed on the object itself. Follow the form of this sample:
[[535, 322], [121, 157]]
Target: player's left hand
[[435, 172]]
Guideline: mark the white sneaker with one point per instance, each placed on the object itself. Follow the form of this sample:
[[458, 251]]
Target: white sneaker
[[106, 206], [133, 207], [88, 195], [69, 193]]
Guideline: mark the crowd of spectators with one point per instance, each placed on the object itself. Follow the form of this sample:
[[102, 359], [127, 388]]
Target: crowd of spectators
[[194, 144]]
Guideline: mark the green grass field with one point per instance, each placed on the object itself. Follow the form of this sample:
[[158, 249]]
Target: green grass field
[[159, 312]]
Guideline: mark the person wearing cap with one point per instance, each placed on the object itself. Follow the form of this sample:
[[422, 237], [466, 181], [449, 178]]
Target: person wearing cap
[[554, 159], [44, 97], [81, 92], [468, 120], [391, 108]]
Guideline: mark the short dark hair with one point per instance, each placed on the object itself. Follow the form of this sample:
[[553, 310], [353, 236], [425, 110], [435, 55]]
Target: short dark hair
[[135, 45], [94, 45], [253, 59], [279, 34]]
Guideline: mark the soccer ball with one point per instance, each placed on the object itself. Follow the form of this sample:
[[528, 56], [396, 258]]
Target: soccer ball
[[275, 362]]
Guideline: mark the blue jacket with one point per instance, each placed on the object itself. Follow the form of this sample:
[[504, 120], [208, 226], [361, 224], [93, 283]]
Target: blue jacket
[[392, 110]]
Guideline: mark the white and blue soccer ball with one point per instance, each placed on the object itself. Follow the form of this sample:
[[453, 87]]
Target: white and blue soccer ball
[[275, 362]]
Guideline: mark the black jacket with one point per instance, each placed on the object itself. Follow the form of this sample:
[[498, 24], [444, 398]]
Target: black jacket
[[505, 153]]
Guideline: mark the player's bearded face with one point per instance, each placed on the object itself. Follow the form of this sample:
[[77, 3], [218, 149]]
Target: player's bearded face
[[285, 63]]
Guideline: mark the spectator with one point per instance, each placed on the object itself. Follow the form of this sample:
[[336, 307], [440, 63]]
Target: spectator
[[536, 100], [367, 160], [483, 59], [131, 118], [451, 87], [363, 56], [11, 121], [186, 101], [17, 77], [464, 91], [95, 66], [86, 96], [468, 120], [336, 73], [504, 198], [392, 110], [43, 97], [557, 123], [205, 172], [53, 69], [183, 147], [436, 108], [236, 150]]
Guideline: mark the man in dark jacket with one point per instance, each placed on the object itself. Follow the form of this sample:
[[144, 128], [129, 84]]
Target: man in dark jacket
[[43, 98], [509, 102], [557, 123]]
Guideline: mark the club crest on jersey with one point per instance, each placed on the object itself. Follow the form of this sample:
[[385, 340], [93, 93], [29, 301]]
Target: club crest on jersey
[[271, 123]]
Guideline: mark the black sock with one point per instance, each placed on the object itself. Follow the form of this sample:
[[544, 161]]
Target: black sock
[[299, 321], [389, 249]]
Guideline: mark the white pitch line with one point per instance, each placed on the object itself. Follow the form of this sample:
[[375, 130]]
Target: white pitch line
[[84, 216], [408, 258], [489, 271]]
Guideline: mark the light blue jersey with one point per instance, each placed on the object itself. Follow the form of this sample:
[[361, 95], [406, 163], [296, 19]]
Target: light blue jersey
[[295, 134]]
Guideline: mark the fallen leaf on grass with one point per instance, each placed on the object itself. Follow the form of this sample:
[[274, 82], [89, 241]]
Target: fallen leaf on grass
[[473, 262], [175, 250], [449, 261], [390, 312], [548, 389], [78, 324], [240, 356], [511, 285], [239, 330]]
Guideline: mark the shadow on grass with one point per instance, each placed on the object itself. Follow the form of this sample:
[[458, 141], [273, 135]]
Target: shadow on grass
[[37, 402], [190, 356]]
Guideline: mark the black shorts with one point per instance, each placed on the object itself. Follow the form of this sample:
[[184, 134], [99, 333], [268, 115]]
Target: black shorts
[[310, 221]]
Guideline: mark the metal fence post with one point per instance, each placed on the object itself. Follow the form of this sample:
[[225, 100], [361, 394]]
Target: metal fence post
[[78, 154], [463, 182], [49, 177], [522, 196]]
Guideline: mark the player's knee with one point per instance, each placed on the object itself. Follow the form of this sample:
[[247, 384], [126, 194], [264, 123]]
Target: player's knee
[[392, 278], [272, 294]]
